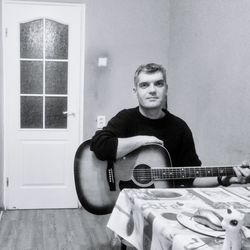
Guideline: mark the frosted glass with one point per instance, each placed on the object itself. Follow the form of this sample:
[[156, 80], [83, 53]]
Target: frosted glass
[[54, 108], [31, 112], [31, 77], [56, 40], [56, 78], [31, 39]]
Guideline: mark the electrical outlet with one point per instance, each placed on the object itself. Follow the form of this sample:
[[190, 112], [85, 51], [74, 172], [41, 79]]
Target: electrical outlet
[[100, 121]]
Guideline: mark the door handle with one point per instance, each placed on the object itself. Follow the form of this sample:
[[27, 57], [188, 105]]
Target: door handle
[[68, 113]]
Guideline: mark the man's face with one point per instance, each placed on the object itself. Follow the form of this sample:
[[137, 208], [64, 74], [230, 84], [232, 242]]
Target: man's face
[[151, 90]]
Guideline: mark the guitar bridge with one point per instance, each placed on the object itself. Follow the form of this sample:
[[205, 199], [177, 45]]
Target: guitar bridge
[[111, 176]]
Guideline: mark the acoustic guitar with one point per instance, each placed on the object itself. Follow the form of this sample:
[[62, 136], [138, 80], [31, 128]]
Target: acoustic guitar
[[98, 183]]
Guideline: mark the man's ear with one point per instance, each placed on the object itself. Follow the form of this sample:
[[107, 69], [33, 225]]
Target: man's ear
[[166, 99], [166, 93]]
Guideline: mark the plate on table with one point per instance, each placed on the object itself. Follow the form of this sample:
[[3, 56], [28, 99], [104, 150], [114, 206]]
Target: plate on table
[[164, 194], [186, 219]]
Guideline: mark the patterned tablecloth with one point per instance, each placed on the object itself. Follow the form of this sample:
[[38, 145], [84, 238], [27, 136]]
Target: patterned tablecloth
[[162, 218]]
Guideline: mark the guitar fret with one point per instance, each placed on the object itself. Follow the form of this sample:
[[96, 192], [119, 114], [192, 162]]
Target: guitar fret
[[190, 172], [197, 172]]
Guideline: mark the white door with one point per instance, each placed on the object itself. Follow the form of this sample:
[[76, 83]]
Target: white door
[[43, 67]]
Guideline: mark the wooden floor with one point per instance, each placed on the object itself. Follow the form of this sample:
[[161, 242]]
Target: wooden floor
[[66, 229]]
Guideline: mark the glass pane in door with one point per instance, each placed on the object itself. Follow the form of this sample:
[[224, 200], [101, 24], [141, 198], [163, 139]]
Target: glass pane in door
[[31, 77], [31, 39], [56, 40], [56, 77], [31, 112], [54, 112]]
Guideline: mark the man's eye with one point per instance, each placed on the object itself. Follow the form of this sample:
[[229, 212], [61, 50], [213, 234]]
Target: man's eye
[[143, 85], [159, 83]]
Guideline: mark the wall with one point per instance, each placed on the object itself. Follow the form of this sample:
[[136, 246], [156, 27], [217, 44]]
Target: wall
[[209, 74], [128, 33]]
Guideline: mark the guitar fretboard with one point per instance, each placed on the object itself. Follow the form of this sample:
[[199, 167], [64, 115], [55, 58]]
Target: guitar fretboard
[[185, 172]]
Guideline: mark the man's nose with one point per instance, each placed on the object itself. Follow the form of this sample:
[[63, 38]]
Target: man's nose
[[152, 87]]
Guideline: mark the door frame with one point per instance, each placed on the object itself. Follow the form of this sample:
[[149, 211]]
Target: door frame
[[82, 7]]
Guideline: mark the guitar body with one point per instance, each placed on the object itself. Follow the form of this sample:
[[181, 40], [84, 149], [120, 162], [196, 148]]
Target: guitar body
[[91, 179]]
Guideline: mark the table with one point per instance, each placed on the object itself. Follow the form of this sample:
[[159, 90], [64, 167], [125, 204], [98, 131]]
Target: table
[[158, 218]]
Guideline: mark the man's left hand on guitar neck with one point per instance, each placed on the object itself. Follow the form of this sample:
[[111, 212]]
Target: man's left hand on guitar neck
[[242, 175]]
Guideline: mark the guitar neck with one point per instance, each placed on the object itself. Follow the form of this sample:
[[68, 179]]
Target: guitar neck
[[190, 172]]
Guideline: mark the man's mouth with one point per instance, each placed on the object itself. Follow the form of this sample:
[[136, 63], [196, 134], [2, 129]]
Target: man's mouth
[[152, 98]]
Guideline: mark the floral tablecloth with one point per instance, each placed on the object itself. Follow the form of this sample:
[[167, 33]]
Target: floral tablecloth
[[158, 219]]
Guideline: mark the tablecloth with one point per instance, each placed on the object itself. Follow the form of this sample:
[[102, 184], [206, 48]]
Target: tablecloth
[[149, 218]]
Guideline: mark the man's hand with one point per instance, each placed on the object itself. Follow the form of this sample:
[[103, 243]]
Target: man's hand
[[242, 175], [146, 139]]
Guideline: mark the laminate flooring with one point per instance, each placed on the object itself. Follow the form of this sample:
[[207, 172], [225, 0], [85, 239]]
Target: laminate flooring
[[64, 229]]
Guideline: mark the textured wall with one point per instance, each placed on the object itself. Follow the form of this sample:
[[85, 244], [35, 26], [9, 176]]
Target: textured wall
[[209, 74]]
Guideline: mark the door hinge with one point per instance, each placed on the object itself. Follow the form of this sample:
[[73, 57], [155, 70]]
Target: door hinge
[[6, 32], [7, 181]]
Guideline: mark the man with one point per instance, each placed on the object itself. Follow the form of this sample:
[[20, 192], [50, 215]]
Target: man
[[150, 123]]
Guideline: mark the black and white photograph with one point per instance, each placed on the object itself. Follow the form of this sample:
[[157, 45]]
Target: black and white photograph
[[124, 125]]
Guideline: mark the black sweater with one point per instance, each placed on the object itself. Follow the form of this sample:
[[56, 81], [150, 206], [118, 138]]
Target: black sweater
[[173, 131]]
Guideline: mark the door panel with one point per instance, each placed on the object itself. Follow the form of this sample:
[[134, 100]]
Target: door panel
[[42, 64]]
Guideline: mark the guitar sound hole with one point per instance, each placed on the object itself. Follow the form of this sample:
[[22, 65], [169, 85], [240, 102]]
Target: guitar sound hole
[[142, 174]]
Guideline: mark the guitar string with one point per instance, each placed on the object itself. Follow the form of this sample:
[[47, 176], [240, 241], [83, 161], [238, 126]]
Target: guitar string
[[177, 172], [185, 168], [181, 173], [191, 167], [173, 170]]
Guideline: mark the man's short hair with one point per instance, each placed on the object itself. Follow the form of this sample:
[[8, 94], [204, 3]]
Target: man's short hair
[[149, 68]]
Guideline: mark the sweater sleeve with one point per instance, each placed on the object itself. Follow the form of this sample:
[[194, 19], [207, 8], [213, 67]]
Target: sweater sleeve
[[104, 142]]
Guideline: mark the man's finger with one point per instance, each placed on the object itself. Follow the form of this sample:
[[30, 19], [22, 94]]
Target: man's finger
[[245, 163], [235, 180], [244, 171], [237, 171]]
